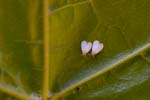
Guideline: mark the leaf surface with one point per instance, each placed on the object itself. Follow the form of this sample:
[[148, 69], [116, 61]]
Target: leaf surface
[[121, 70]]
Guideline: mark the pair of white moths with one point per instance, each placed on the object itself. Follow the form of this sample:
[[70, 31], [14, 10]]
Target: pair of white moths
[[87, 46]]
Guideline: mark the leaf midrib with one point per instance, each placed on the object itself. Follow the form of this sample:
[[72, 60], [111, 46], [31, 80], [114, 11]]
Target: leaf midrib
[[46, 50]]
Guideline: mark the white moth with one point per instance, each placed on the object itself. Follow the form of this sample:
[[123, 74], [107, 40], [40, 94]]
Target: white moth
[[85, 47], [97, 47]]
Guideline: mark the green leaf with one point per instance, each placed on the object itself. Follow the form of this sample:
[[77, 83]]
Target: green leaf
[[21, 48], [121, 71]]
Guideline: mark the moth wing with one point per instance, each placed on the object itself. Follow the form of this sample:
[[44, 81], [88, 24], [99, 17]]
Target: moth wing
[[89, 46], [97, 47], [83, 45]]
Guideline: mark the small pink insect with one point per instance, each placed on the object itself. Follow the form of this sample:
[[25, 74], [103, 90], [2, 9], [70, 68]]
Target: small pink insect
[[97, 47], [85, 47]]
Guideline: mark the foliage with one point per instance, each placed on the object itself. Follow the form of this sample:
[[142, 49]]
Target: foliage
[[120, 71]]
